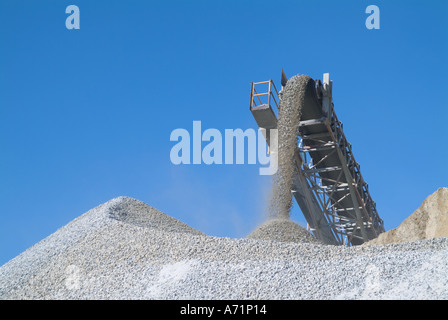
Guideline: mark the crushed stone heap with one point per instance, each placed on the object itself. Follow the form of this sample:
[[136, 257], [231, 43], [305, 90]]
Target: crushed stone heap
[[125, 249], [283, 230]]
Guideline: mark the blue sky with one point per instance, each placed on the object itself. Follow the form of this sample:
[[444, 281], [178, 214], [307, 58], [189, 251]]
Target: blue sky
[[86, 115]]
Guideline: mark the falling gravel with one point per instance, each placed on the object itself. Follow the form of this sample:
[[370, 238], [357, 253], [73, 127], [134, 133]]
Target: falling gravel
[[125, 249], [279, 227], [292, 99]]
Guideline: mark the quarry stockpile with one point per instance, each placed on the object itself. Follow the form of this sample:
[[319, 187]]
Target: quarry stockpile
[[430, 220], [291, 101], [125, 249], [283, 230]]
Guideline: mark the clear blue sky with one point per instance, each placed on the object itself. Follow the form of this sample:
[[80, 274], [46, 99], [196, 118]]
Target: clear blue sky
[[86, 115]]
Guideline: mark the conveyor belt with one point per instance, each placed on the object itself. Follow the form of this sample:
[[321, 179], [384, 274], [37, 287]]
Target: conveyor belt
[[328, 187]]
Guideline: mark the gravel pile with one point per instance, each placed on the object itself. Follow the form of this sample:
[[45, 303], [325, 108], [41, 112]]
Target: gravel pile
[[131, 211], [125, 249], [283, 230]]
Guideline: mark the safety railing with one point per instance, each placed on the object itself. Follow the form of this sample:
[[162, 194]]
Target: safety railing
[[256, 99]]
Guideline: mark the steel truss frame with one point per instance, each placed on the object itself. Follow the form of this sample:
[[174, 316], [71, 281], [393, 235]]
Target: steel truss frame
[[359, 222], [334, 199]]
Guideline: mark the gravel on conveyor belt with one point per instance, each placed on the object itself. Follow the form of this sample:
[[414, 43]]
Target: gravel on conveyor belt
[[292, 98], [125, 249]]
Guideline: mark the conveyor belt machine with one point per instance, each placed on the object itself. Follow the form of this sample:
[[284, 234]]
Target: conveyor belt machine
[[328, 185]]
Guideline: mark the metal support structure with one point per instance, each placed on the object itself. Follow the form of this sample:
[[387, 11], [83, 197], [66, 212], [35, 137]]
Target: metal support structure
[[328, 185]]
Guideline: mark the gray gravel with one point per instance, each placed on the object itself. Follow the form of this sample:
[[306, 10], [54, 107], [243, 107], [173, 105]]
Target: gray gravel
[[283, 230], [292, 98], [125, 249]]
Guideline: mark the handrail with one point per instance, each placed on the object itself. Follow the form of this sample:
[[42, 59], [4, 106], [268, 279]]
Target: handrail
[[270, 93]]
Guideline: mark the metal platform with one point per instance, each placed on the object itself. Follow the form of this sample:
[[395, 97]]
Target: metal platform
[[328, 185]]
